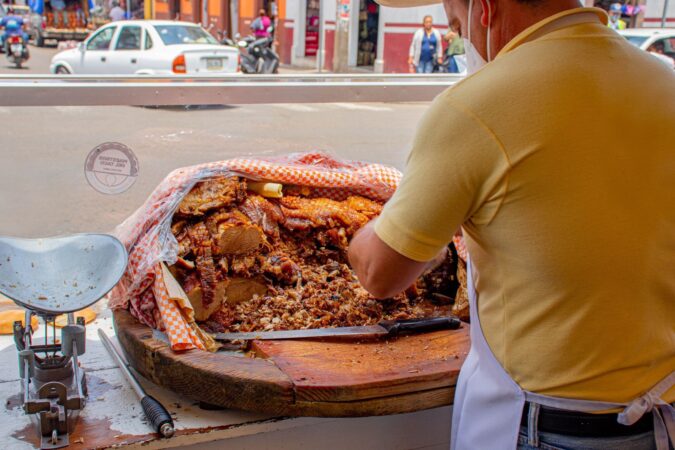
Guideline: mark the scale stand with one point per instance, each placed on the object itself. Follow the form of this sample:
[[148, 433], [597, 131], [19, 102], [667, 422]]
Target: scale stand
[[53, 385], [50, 277]]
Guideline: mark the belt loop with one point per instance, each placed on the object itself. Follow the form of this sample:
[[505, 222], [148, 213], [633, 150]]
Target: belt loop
[[533, 425]]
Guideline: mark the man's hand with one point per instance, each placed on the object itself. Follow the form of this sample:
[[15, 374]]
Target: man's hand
[[440, 60], [380, 269]]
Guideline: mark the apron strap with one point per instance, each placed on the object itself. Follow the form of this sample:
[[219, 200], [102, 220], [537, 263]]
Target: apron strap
[[664, 413], [647, 402], [664, 426], [570, 404]]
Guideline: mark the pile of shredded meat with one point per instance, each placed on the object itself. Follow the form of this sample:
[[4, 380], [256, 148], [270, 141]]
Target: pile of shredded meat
[[251, 263]]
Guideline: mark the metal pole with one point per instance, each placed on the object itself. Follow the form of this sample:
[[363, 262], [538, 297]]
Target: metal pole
[[107, 343], [665, 14], [128, 9], [319, 56]]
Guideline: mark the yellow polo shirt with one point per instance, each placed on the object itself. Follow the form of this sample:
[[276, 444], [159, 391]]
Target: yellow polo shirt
[[558, 160]]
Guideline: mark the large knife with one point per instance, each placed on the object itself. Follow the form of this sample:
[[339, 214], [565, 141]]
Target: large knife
[[387, 328]]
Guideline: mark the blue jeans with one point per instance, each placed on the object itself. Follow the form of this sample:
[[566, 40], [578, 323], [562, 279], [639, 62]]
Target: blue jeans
[[551, 441], [425, 66], [452, 66]]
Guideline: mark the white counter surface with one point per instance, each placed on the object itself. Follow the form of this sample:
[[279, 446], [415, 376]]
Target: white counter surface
[[113, 416]]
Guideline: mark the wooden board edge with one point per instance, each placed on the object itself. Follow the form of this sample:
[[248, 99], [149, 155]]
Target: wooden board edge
[[277, 396], [373, 391], [396, 404], [230, 381]]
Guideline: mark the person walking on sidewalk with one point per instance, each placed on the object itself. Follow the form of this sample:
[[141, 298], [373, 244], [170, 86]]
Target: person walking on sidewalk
[[455, 52], [425, 48]]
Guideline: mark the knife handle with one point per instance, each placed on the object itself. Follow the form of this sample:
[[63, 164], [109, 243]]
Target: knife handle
[[396, 327]]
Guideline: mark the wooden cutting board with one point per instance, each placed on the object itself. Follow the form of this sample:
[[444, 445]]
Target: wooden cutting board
[[307, 377]]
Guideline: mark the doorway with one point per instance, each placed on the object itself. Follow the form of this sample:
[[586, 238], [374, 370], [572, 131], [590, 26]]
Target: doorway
[[312, 28], [369, 13], [174, 10]]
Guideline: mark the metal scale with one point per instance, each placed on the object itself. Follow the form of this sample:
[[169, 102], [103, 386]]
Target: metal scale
[[50, 277]]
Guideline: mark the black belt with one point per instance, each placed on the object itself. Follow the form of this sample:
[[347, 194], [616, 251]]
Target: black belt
[[571, 423]]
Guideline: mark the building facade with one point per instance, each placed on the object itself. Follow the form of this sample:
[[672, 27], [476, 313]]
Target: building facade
[[379, 37], [220, 17]]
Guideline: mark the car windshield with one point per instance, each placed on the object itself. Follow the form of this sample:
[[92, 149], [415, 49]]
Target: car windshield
[[636, 40], [184, 34]]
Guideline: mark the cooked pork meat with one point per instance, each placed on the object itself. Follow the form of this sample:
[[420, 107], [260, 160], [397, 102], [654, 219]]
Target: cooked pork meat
[[202, 248], [263, 213], [302, 213], [272, 264], [212, 194], [234, 233]]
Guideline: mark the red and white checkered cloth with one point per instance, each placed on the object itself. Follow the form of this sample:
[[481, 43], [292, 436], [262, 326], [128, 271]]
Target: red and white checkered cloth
[[147, 233]]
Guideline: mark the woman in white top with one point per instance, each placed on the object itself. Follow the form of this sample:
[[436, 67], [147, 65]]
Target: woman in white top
[[425, 48]]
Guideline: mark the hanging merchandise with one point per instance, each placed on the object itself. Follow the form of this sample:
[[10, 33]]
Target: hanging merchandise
[[368, 30]]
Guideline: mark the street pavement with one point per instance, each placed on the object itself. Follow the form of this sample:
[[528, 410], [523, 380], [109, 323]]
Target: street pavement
[[43, 189], [37, 64], [44, 192]]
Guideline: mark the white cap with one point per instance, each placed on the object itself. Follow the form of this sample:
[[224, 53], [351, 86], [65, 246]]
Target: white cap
[[407, 3]]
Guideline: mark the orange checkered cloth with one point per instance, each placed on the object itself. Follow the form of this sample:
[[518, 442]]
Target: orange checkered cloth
[[149, 241]]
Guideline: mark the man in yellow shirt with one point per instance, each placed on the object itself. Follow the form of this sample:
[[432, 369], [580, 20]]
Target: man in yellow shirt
[[570, 231]]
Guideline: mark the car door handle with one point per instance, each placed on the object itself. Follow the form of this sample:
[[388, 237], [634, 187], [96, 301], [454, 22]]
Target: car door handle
[[134, 60], [103, 58]]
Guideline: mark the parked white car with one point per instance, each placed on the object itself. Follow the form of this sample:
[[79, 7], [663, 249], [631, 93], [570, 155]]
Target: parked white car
[[648, 39], [148, 47]]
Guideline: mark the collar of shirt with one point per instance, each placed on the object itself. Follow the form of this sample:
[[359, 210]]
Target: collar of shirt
[[555, 22]]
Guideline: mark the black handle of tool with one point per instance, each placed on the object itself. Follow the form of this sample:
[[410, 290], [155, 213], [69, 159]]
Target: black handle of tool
[[158, 416], [396, 327]]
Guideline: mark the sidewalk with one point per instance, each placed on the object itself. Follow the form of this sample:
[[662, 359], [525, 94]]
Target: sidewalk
[[291, 69]]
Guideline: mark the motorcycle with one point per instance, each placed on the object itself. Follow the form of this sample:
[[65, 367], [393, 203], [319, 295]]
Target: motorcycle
[[17, 50], [257, 55]]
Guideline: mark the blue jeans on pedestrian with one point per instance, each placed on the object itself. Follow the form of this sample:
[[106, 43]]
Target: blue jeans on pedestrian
[[425, 66], [551, 441], [452, 65]]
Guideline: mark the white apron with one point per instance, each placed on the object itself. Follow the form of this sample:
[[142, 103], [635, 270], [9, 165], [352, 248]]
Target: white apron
[[489, 404]]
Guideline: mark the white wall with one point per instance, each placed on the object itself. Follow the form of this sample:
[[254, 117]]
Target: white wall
[[415, 15], [655, 10]]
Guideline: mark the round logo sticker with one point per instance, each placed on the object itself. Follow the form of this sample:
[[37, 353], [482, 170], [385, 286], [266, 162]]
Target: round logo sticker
[[111, 168]]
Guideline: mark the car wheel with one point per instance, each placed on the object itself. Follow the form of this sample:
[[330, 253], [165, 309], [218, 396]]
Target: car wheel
[[62, 71]]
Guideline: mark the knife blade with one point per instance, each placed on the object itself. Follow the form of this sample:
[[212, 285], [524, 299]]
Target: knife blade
[[387, 328]]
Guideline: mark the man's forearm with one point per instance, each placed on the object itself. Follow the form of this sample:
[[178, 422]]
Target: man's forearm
[[380, 269]]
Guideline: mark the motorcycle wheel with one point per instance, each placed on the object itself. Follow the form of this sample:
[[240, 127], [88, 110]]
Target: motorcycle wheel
[[260, 66], [39, 40]]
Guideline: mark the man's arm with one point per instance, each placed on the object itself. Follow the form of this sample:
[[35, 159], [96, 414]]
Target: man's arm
[[454, 167], [439, 47], [380, 269]]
